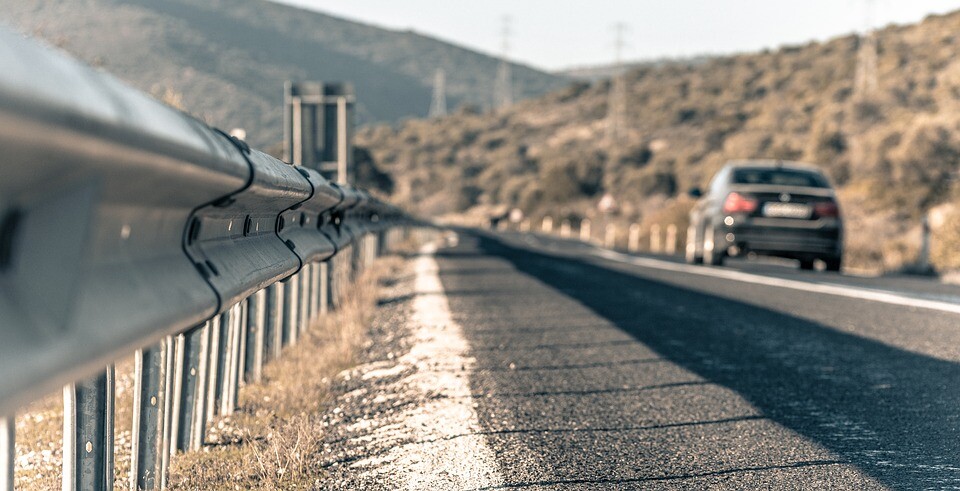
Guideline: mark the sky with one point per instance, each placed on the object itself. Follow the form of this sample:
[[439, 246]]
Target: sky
[[556, 34]]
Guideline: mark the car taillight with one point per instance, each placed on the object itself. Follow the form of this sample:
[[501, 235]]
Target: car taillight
[[826, 209], [737, 203]]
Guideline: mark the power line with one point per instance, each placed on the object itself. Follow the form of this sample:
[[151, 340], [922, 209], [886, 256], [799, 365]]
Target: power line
[[438, 107], [503, 86]]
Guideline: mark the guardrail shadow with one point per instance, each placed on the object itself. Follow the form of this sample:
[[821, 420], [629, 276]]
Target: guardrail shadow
[[890, 412]]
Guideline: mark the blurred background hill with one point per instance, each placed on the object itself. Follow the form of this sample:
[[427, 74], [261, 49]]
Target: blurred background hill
[[208, 55], [894, 151]]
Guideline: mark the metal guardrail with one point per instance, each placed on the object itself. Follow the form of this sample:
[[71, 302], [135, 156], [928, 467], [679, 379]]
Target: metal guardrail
[[128, 226]]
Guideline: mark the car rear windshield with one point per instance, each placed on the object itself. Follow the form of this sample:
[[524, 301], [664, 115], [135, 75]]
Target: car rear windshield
[[780, 177]]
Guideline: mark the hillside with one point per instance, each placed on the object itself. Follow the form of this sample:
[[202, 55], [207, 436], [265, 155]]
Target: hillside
[[226, 60], [894, 153]]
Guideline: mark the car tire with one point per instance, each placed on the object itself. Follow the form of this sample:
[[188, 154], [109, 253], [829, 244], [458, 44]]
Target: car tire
[[833, 263], [806, 264], [691, 252], [711, 255]]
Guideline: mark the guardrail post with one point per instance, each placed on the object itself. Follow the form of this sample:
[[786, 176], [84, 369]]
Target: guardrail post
[[240, 354], [671, 246], [585, 234], [304, 298], [315, 271], [655, 238], [189, 407], [88, 433], [273, 334], [148, 417], [565, 229], [232, 362], [217, 354], [166, 440], [633, 242], [325, 275], [8, 451], [256, 336], [291, 297], [356, 259], [610, 236], [547, 225]]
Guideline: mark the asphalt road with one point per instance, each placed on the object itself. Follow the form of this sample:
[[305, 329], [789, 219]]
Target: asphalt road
[[583, 369]]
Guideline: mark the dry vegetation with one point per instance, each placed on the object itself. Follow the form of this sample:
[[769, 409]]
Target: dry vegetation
[[271, 442], [893, 153]]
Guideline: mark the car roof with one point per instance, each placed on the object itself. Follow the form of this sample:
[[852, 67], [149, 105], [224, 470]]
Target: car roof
[[773, 163]]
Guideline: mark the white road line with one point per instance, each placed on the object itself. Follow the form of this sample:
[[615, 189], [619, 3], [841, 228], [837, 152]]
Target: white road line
[[829, 289], [441, 381]]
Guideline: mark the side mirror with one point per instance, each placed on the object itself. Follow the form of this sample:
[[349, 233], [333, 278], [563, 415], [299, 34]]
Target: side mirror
[[695, 193]]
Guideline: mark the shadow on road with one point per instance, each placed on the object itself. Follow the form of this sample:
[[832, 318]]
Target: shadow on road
[[890, 412]]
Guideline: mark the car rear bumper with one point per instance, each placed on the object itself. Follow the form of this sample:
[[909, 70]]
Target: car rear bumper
[[798, 242]]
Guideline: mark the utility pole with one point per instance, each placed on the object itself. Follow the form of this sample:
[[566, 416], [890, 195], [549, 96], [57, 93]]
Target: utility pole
[[617, 100], [438, 107], [503, 86], [866, 78]]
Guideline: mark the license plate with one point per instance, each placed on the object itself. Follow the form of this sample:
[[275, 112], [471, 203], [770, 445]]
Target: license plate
[[786, 210]]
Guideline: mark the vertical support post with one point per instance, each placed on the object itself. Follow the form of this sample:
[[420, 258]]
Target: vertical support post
[[290, 305], [148, 417], [325, 271], [304, 298], [189, 419], [547, 225], [256, 327], [8, 451], [655, 238], [671, 245], [216, 351], [610, 236], [297, 131], [231, 347], [585, 230], [633, 242], [166, 441], [88, 433], [342, 141], [273, 336], [923, 261], [565, 229], [239, 345], [315, 288]]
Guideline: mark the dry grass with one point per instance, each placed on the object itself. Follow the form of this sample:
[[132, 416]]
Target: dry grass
[[271, 442], [274, 439]]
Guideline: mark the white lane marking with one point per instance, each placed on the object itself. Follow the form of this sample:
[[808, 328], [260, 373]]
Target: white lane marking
[[440, 378], [829, 289]]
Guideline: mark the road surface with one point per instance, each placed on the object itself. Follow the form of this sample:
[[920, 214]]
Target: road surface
[[522, 362]]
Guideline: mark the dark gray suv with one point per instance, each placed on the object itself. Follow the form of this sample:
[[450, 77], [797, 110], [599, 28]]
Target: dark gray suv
[[771, 208]]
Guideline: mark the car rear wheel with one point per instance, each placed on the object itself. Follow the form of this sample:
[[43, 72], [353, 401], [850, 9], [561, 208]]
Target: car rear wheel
[[711, 255], [806, 264], [833, 263]]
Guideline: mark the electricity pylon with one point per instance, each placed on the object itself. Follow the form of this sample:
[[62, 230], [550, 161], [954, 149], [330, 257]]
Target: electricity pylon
[[438, 107], [866, 79], [617, 99], [503, 86]]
